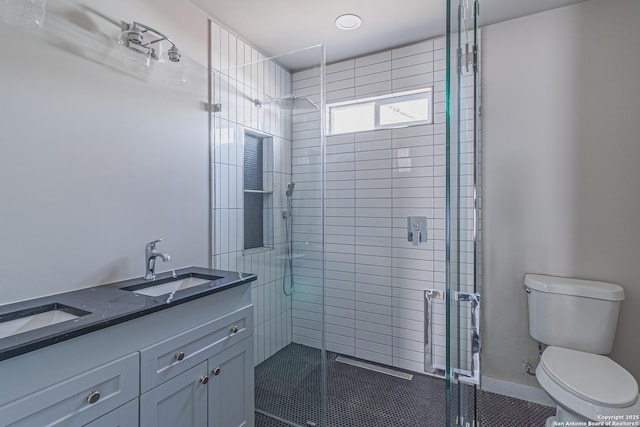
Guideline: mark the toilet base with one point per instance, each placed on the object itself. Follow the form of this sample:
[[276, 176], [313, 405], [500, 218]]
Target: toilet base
[[561, 417]]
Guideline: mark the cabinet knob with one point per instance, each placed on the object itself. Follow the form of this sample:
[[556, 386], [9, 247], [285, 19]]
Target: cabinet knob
[[215, 371], [234, 329], [204, 379], [179, 356], [93, 397]]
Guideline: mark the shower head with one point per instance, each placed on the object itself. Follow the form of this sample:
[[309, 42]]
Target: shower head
[[290, 188], [290, 102]]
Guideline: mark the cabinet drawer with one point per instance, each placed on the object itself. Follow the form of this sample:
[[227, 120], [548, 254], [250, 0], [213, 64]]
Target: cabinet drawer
[[177, 354], [124, 416], [77, 400]]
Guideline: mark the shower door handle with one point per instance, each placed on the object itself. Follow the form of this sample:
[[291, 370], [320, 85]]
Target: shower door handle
[[430, 296], [469, 376], [472, 375]]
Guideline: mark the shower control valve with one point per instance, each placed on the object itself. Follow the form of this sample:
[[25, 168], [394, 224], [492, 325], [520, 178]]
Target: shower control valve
[[417, 229]]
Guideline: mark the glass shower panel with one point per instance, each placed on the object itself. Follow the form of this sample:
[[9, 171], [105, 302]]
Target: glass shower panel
[[462, 298], [275, 100]]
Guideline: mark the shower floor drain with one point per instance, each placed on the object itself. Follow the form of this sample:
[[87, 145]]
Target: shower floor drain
[[376, 368]]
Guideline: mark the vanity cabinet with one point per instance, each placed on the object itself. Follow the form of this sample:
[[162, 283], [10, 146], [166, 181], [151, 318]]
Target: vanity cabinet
[[202, 377], [215, 393], [190, 365]]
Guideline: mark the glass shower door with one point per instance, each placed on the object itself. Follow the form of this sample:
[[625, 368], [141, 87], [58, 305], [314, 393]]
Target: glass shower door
[[267, 139], [462, 297]]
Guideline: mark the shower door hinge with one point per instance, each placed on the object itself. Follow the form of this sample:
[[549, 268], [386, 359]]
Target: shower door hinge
[[469, 57], [211, 108], [466, 59], [475, 58]]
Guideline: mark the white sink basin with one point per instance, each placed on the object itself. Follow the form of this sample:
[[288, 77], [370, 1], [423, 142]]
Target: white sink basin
[[172, 286], [35, 321]]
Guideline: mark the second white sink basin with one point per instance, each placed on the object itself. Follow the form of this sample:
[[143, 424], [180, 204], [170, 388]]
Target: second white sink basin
[[34, 321], [170, 287]]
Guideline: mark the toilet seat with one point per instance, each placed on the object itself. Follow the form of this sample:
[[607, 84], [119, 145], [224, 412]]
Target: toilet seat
[[588, 384]]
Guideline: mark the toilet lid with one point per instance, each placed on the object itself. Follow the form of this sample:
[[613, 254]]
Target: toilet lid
[[592, 377]]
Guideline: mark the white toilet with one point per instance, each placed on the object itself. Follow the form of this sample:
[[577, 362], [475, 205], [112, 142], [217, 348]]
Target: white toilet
[[577, 320]]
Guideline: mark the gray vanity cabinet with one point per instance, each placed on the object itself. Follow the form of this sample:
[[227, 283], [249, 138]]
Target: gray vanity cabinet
[[190, 365], [201, 377], [214, 393]]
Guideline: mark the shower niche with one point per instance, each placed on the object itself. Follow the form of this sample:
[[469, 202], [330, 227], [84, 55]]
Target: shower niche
[[257, 190]]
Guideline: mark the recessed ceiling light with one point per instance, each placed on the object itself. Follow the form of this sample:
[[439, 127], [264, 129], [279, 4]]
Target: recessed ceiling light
[[348, 21]]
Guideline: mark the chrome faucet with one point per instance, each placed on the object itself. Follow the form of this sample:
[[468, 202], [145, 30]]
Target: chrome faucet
[[150, 256]]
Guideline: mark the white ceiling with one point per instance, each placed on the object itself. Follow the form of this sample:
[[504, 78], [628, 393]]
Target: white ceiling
[[279, 26]]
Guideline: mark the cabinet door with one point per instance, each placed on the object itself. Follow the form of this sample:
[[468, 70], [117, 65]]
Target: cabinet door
[[124, 416], [231, 386], [181, 401]]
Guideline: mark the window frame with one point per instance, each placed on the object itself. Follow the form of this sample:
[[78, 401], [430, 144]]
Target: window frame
[[382, 100]]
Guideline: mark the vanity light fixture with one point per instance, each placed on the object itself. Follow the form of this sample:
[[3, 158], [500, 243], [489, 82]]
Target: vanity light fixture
[[348, 21], [142, 38]]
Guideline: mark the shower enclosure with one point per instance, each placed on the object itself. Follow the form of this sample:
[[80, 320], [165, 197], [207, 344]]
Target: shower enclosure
[[355, 323]]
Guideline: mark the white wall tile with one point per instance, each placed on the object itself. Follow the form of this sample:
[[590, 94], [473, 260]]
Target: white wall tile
[[374, 277]]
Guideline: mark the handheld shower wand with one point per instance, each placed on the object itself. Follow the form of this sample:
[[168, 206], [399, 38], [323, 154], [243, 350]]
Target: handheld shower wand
[[289, 194], [288, 229], [290, 188]]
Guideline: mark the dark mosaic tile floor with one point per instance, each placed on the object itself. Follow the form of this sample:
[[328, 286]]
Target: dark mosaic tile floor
[[288, 385]]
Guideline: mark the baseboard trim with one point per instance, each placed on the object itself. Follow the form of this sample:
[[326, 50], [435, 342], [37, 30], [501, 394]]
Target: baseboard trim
[[518, 391]]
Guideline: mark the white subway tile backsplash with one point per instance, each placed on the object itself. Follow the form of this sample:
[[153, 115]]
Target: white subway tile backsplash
[[374, 356], [338, 85], [347, 350], [381, 342], [368, 283], [381, 88], [340, 95], [413, 49], [345, 74], [376, 68], [364, 61], [339, 66], [379, 251], [425, 58], [412, 70]]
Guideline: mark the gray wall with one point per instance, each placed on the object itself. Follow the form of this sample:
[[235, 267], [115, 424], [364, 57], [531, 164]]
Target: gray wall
[[96, 162], [561, 104]]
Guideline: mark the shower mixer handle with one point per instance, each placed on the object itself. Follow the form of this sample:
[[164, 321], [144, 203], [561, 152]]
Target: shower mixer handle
[[417, 229]]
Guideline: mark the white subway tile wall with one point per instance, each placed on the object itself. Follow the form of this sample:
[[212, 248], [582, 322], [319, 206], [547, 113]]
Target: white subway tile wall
[[235, 87], [374, 277]]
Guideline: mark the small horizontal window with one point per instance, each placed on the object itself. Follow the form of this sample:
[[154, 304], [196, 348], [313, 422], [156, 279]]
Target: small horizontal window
[[381, 112]]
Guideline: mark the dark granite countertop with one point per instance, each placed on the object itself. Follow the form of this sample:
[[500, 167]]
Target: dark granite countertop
[[106, 305]]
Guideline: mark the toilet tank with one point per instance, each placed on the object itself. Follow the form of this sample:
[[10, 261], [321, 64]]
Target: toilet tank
[[572, 313]]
